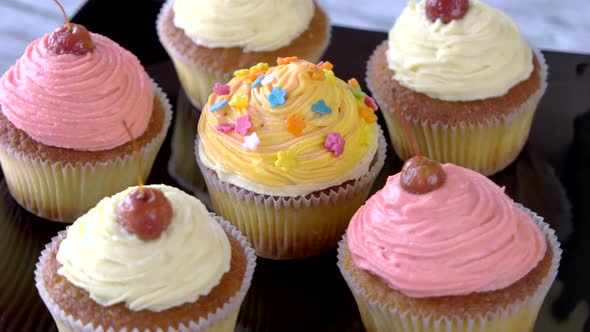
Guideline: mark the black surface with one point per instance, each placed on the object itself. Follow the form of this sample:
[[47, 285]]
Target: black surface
[[551, 176]]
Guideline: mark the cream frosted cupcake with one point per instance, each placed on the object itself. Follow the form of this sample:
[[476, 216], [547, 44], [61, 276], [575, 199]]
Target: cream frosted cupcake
[[207, 40], [461, 257], [288, 154], [468, 88], [119, 268], [63, 145]]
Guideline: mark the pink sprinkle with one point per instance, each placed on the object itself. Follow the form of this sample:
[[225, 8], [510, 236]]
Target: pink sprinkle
[[335, 144], [320, 63], [243, 124], [221, 89], [370, 102], [225, 127]]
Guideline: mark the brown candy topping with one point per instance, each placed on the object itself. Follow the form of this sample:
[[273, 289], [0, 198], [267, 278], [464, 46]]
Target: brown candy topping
[[147, 215], [70, 39], [421, 175]]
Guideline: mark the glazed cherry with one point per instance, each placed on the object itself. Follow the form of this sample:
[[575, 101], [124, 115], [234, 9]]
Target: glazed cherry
[[146, 215], [421, 175], [446, 10], [73, 40]]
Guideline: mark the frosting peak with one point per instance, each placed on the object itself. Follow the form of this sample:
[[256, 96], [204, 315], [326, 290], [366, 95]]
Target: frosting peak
[[78, 101], [255, 25], [481, 55], [466, 236]]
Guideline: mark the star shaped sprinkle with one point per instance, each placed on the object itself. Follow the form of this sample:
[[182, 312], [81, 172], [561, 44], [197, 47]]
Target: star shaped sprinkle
[[367, 114], [335, 144], [241, 72], [225, 127], [238, 101], [257, 82], [251, 142], [218, 105], [295, 124], [321, 108], [287, 60], [243, 124], [370, 102], [276, 97], [221, 89], [285, 161], [354, 83], [268, 79]]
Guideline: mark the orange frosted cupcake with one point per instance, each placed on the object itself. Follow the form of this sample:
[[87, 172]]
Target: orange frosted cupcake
[[288, 154], [63, 145], [468, 85], [207, 40], [157, 262], [442, 248]]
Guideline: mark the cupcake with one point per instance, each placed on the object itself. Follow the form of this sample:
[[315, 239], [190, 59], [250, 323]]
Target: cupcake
[[207, 40], [63, 142], [288, 154], [147, 259], [442, 248], [466, 81]]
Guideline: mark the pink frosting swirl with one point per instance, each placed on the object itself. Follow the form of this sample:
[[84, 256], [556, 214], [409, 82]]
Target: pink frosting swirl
[[465, 237], [78, 101]]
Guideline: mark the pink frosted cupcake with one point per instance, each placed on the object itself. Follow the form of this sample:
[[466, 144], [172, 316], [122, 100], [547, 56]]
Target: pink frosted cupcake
[[63, 145], [460, 257]]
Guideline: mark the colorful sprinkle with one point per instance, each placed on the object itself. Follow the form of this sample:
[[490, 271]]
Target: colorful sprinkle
[[354, 83], [261, 66], [321, 108], [358, 93], [316, 74], [243, 125], [239, 101], [225, 127], [329, 74], [326, 65], [363, 138], [254, 75], [370, 102], [258, 81], [335, 144], [241, 72], [285, 160], [295, 124], [367, 114], [251, 142], [287, 60], [277, 97], [218, 105], [320, 63], [221, 89], [268, 79]]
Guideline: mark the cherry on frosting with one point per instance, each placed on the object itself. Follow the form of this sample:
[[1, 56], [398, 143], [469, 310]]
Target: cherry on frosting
[[446, 10], [421, 175], [146, 215], [70, 38]]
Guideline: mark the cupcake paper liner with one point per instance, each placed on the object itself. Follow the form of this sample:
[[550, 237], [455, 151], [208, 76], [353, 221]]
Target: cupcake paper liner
[[519, 315], [486, 147], [63, 191], [282, 227], [222, 320]]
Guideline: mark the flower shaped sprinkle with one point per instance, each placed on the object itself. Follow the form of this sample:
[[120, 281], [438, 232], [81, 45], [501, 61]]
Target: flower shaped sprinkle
[[295, 124], [287, 60], [370, 102], [354, 83], [277, 97], [225, 127], [254, 75], [335, 144], [367, 114], [257, 82], [243, 124], [251, 142], [321, 108], [285, 161], [221, 89], [261, 66], [241, 72], [239, 101], [218, 105]]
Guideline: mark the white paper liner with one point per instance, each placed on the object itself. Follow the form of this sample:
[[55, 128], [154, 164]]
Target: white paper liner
[[466, 144], [197, 79], [223, 319], [63, 191], [287, 227], [382, 318]]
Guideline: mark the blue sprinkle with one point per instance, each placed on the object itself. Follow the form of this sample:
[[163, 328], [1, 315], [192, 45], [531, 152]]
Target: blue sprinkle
[[257, 81], [321, 108], [358, 93], [277, 97], [218, 105]]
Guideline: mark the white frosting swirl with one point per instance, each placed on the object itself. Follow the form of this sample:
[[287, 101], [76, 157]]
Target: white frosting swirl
[[255, 25], [185, 262], [482, 55]]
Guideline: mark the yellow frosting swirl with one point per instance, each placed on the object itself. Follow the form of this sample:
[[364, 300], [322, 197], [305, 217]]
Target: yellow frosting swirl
[[290, 157], [185, 262], [255, 25], [482, 55]]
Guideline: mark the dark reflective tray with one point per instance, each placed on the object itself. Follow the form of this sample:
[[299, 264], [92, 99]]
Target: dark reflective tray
[[551, 176]]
